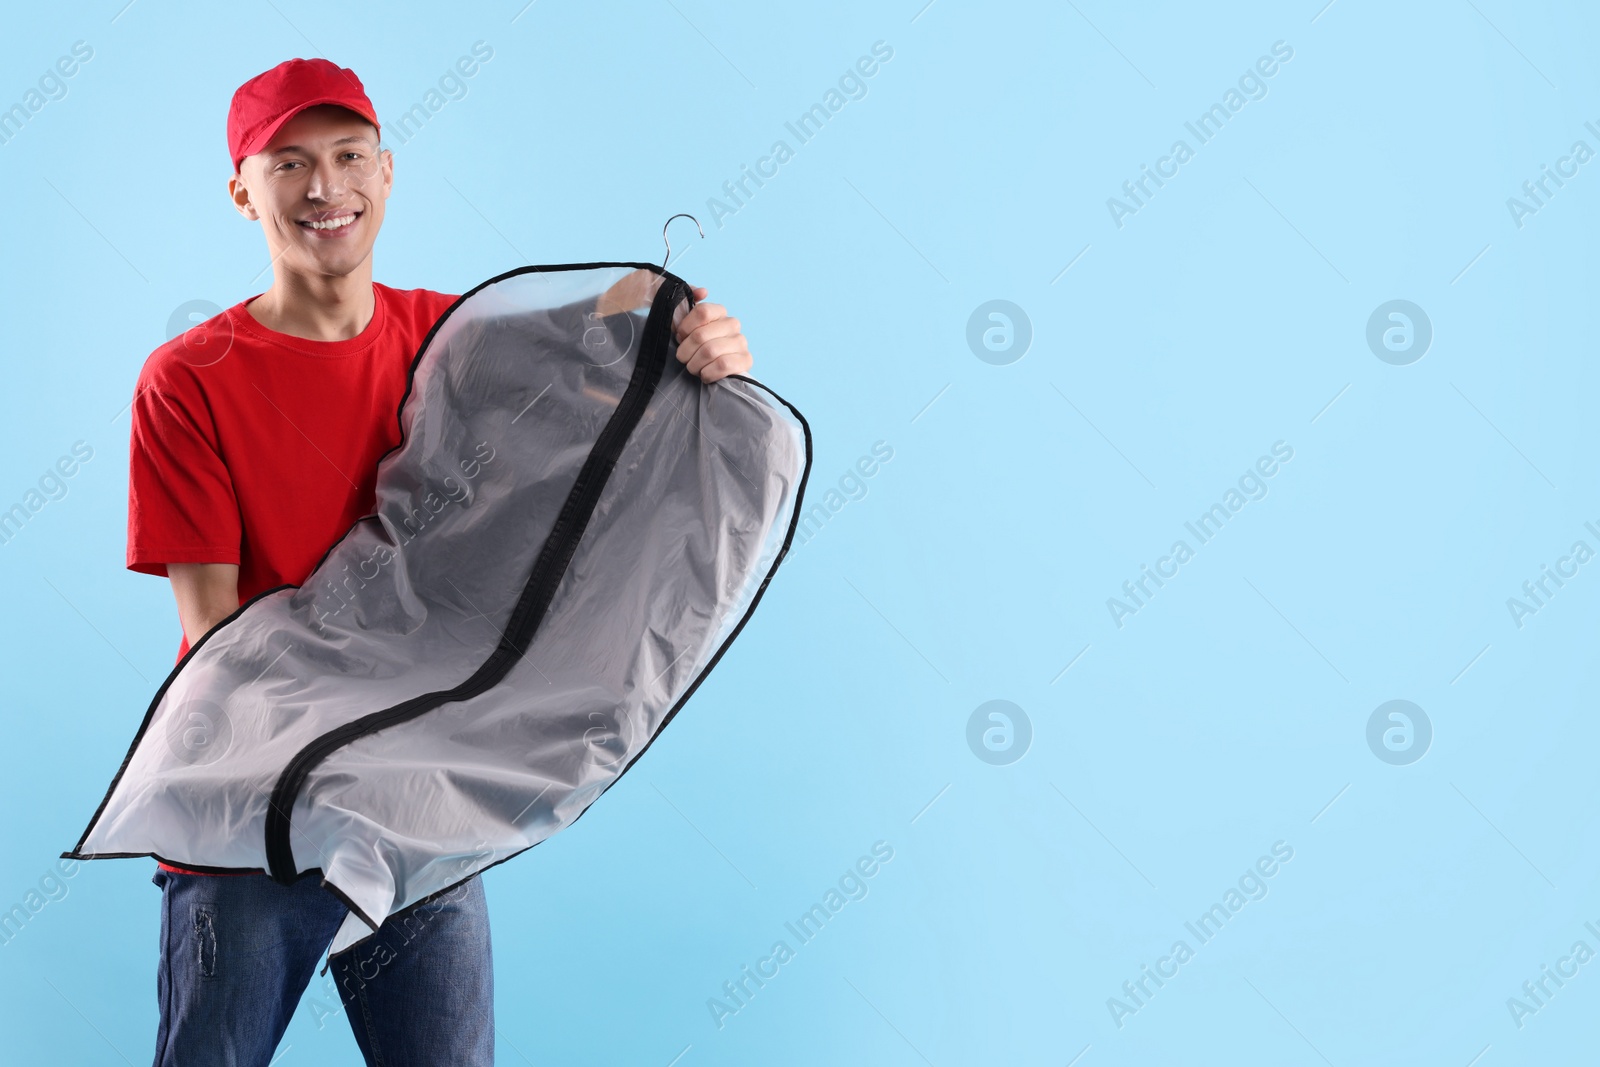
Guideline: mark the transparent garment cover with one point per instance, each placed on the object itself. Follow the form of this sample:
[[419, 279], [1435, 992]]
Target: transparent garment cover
[[571, 531]]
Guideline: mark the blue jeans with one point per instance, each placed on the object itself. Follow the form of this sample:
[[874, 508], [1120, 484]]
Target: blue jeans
[[237, 952]]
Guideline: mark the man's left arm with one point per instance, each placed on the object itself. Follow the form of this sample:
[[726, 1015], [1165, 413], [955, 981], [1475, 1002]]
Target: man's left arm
[[710, 341]]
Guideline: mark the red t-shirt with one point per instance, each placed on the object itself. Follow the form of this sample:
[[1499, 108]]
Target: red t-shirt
[[254, 447]]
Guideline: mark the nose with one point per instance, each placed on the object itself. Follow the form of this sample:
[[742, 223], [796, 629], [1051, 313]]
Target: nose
[[327, 182]]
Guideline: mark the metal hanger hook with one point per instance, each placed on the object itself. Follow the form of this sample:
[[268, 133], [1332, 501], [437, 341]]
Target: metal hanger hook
[[679, 215]]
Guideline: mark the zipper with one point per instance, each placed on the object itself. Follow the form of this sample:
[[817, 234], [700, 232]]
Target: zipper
[[540, 590]]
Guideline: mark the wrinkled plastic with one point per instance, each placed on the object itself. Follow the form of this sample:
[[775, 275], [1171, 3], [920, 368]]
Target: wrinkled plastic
[[380, 722]]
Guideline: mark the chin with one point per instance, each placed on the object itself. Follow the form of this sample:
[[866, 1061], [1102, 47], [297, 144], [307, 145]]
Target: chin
[[339, 265]]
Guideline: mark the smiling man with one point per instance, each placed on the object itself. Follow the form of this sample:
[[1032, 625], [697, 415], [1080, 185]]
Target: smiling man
[[255, 443]]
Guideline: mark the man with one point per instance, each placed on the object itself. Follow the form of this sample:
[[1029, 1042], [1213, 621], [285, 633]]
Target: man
[[255, 442]]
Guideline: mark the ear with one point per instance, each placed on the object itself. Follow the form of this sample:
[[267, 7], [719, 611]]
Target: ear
[[240, 195], [386, 161]]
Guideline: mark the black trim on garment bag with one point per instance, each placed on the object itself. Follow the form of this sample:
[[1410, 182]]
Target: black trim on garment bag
[[77, 853], [794, 519], [531, 607]]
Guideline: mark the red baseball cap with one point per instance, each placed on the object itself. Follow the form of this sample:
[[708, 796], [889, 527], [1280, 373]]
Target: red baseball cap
[[264, 103]]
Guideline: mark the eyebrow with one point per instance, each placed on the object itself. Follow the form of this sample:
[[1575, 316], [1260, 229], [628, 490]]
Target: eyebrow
[[298, 148]]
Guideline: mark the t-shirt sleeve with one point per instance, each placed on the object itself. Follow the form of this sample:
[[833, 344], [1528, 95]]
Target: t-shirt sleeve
[[181, 503]]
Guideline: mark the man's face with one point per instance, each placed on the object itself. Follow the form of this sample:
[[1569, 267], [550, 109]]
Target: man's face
[[318, 190]]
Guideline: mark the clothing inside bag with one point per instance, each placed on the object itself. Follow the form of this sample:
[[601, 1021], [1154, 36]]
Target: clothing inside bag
[[569, 535]]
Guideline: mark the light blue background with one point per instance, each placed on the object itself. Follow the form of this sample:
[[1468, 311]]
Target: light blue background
[[1228, 714]]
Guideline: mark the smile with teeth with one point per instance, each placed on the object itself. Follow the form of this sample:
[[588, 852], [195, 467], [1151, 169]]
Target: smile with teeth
[[332, 224]]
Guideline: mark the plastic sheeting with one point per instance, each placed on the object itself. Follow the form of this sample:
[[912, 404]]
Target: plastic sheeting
[[569, 535]]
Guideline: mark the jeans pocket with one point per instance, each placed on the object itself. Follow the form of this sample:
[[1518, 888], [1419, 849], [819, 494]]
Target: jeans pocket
[[205, 939]]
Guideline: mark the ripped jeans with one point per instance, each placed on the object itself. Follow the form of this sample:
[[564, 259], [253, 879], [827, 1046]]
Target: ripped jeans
[[237, 952]]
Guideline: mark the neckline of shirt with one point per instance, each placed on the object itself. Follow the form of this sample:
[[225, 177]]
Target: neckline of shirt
[[243, 320]]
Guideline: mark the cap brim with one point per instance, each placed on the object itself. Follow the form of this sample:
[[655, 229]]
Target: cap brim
[[264, 138]]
